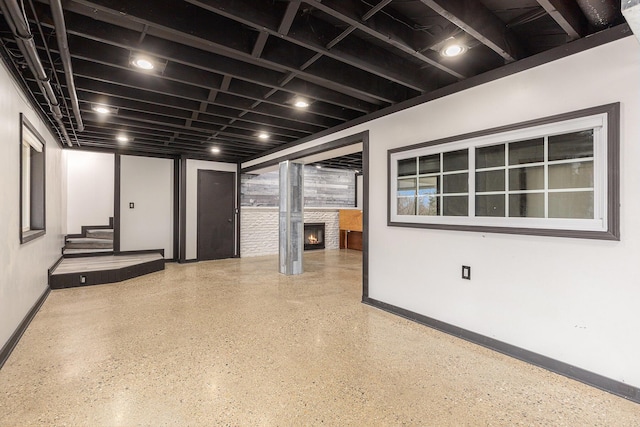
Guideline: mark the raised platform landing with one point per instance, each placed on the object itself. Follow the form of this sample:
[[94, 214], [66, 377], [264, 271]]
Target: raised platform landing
[[94, 270]]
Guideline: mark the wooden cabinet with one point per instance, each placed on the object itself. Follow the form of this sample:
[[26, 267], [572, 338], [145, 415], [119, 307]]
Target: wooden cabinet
[[351, 229]]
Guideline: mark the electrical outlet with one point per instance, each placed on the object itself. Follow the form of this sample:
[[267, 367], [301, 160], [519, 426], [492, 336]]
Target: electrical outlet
[[131, 205], [466, 272], [83, 279]]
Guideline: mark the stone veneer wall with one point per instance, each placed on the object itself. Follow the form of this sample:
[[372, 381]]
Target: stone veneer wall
[[259, 229], [331, 188]]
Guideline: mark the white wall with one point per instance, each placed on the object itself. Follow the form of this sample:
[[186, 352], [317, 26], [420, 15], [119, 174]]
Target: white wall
[[574, 300], [148, 183], [23, 268], [90, 178], [191, 213]]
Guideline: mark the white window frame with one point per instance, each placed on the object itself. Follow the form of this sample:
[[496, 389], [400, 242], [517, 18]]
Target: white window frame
[[26, 186], [603, 120]]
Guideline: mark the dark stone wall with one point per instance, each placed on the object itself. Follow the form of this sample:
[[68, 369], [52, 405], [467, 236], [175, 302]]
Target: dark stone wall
[[322, 188]]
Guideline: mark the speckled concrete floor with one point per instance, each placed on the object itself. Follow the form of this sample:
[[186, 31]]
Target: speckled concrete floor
[[233, 342]]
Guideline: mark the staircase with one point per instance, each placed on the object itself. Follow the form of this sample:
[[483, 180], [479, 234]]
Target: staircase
[[88, 258], [92, 239]]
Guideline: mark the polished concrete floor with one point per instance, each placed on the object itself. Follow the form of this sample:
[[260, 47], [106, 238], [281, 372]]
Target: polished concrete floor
[[233, 342]]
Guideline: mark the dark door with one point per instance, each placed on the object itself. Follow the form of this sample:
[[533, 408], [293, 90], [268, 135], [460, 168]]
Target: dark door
[[216, 215]]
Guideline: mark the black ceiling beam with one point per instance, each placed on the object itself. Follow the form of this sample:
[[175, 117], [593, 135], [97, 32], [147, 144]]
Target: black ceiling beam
[[108, 139], [132, 105], [309, 34], [119, 77], [344, 165], [377, 8], [211, 110], [282, 99], [478, 21], [568, 15], [163, 131], [271, 124], [125, 34], [202, 153], [147, 148], [196, 58], [206, 130], [283, 52], [97, 52], [236, 98], [107, 89], [357, 53], [387, 31], [108, 130], [105, 73], [259, 44], [209, 32], [288, 17], [178, 18], [143, 128], [108, 133]]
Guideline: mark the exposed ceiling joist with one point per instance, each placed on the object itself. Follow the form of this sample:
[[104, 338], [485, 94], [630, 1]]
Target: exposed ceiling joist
[[478, 21], [568, 15], [288, 17], [385, 31], [311, 34], [207, 32]]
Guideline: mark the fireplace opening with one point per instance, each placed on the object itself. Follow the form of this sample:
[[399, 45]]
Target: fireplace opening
[[313, 236]]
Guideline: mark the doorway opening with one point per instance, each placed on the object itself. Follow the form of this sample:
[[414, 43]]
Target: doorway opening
[[357, 144]]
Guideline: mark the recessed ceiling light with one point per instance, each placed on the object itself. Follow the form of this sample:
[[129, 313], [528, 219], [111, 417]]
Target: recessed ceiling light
[[102, 109], [263, 135], [122, 138], [215, 150], [143, 63], [301, 103], [453, 49]]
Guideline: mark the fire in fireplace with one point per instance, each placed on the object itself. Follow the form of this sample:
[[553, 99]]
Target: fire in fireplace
[[313, 236]]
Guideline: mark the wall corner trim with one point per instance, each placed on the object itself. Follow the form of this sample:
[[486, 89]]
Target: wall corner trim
[[7, 349], [609, 385]]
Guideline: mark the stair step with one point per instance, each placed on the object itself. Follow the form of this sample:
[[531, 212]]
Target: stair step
[[88, 243], [98, 233], [67, 251]]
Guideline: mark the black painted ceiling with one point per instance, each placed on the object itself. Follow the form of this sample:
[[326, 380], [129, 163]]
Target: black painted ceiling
[[229, 70]]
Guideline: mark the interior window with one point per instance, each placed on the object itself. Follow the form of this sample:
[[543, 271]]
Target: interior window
[[32, 182], [551, 174]]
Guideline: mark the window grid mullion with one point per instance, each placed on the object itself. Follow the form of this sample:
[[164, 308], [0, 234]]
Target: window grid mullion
[[441, 185], [417, 186], [546, 177], [471, 174], [506, 180], [598, 179]]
